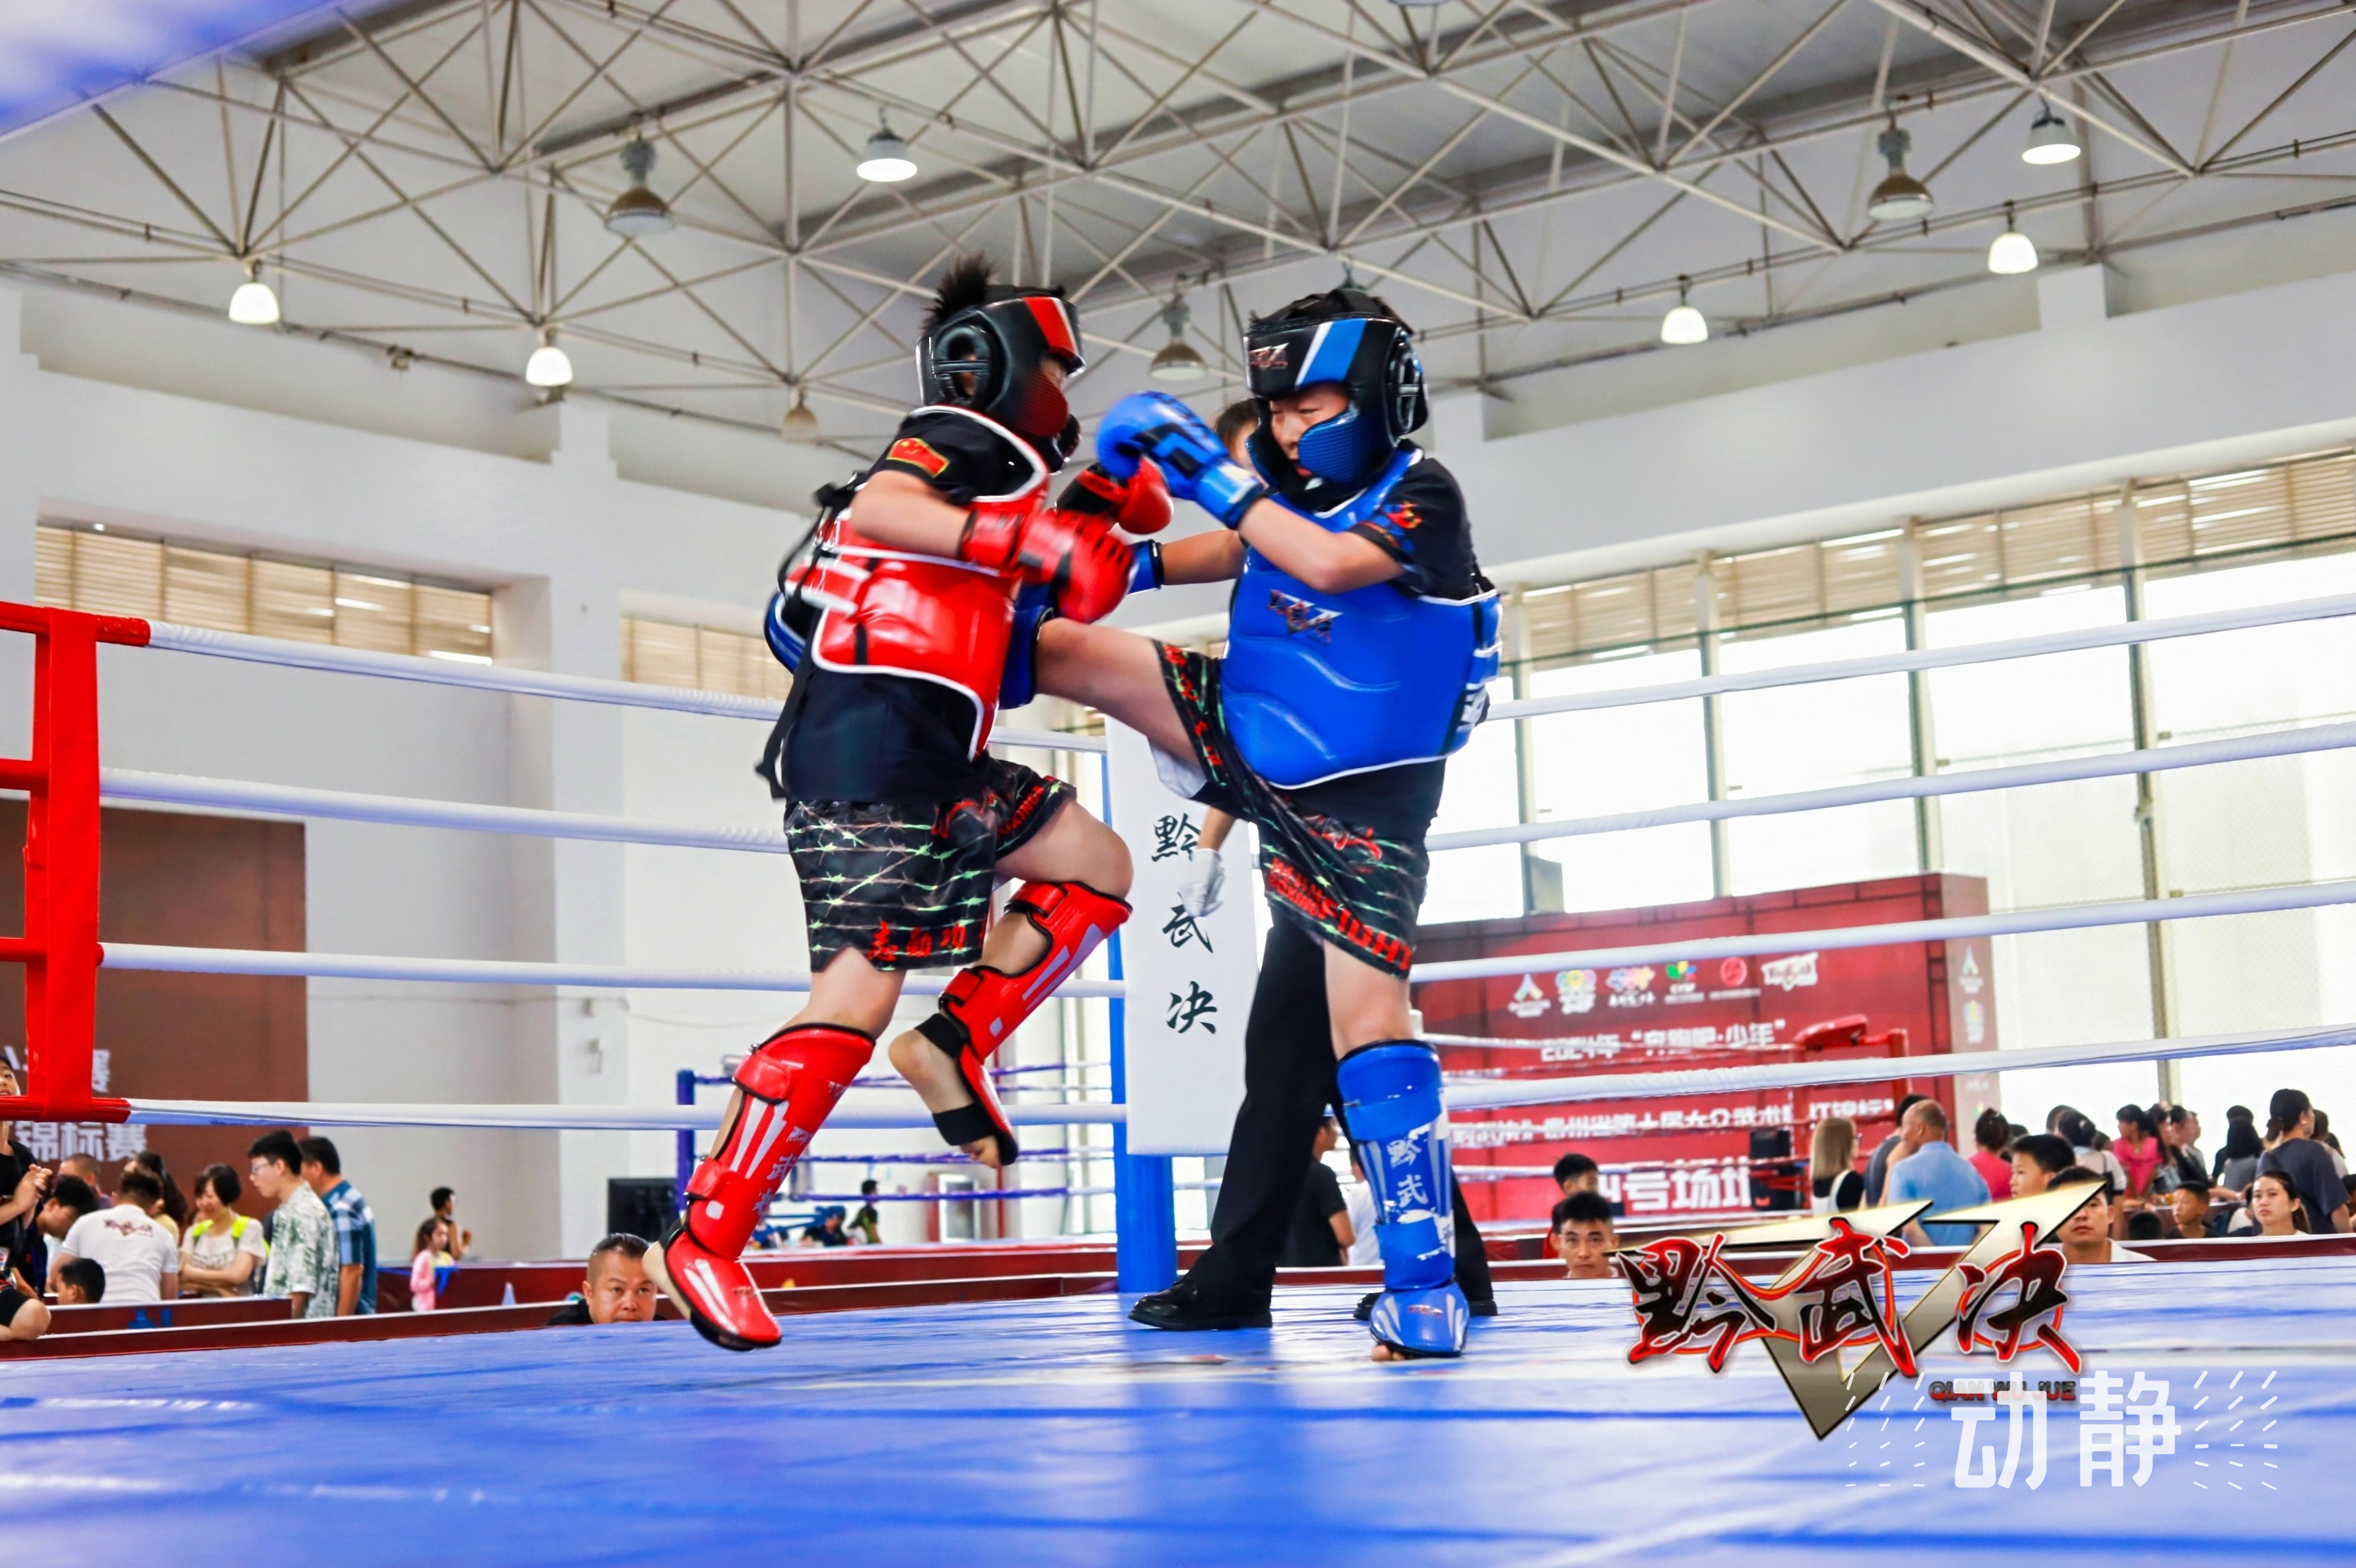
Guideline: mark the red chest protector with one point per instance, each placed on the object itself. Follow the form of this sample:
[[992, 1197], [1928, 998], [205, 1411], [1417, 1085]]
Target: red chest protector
[[926, 617]]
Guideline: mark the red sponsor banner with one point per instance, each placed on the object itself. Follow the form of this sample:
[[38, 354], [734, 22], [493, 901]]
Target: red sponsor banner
[[1692, 1154]]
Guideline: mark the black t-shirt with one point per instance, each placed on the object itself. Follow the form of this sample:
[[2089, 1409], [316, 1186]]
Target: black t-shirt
[[892, 738], [1311, 1242], [1425, 527], [573, 1314], [20, 1239]]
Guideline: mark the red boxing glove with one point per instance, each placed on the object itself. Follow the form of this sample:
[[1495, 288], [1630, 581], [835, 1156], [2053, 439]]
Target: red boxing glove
[[1083, 567], [1140, 503]]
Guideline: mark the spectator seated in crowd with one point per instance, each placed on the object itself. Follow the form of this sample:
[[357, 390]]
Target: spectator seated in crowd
[[1834, 1185], [2144, 1225], [81, 1282], [222, 1252], [141, 1260], [826, 1228], [615, 1290], [1576, 1172], [867, 1225], [2237, 1161], [1583, 1237], [2086, 1235], [2276, 1207], [1925, 1164], [355, 1226], [303, 1264], [2188, 1204], [2180, 1130], [2292, 1148], [1876, 1170], [1993, 1134], [2037, 1159], [1322, 1234], [177, 1211], [84, 1168]]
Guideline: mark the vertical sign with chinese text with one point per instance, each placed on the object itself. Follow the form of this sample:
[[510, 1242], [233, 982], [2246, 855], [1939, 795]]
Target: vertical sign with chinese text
[[1190, 976]]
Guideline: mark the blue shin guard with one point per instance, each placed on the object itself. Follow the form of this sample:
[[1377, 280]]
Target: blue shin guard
[[1390, 1095]]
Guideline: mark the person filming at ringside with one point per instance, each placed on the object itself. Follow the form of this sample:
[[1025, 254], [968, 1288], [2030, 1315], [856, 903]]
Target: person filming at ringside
[[898, 614], [1362, 638]]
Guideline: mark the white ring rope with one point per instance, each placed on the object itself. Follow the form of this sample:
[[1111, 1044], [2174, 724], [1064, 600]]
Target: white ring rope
[[1938, 658], [498, 971], [1494, 1095], [615, 977], [517, 682], [2109, 765], [556, 1118], [1951, 928]]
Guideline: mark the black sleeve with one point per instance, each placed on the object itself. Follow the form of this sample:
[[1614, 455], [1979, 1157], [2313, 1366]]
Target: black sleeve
[[573, 1314], [1849, 1192], [1326, 1189], [1423, 526], [958, 456]]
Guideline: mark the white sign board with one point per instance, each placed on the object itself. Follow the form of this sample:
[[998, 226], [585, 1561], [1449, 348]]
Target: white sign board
[[1189, 978]]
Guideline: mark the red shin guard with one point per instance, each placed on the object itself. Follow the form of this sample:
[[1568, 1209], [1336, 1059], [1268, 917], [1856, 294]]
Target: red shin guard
[[789, 1085], [983, 1006]]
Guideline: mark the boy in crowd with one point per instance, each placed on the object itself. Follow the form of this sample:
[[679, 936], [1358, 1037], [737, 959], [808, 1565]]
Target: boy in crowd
[[2037, 1159], [2086, 1235], [1360, 643], [2189, 1204], [1583, 1236], [81, 1282], [899, 621]]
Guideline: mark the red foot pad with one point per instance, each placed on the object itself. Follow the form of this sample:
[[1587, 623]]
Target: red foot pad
[[788, 1086], [983, 1006]]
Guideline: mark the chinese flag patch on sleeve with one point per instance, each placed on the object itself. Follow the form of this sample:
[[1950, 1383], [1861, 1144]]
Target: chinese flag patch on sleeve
[[916, 453]]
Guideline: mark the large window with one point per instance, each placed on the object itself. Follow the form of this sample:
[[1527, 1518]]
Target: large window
[[701, 658], [110, 573]]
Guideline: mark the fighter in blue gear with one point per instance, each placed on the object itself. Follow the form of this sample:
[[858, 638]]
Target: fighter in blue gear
[[1362, 642]]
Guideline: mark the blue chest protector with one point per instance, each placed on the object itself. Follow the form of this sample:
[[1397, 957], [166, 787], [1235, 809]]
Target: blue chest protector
[[1319, 685]]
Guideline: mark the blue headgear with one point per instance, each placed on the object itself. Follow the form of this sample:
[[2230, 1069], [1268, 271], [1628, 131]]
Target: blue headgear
[[1359, 346]]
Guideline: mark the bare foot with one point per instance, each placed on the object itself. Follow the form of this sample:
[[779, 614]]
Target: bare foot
[[936, 1079]]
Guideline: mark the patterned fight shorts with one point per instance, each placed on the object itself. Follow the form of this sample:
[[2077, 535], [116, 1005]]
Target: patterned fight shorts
[[1354, 886], [909, 885]]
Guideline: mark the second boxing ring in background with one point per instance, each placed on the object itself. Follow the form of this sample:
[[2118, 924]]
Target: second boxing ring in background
[[66, 782]]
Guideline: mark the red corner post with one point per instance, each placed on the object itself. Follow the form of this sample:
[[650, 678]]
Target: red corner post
[[60, 948]]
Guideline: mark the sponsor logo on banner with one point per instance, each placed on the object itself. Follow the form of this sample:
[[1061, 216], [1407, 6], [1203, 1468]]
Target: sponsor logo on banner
[[1528, 1002], [1733, 971], [1632, 987], [1975, 1023], [1576, 987], [1683, 985], [1970, 981], [1790, 973], [2004, 1295]]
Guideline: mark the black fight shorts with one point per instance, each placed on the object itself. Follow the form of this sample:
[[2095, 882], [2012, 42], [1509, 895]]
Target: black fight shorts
[[1355, 885], [909, 885]]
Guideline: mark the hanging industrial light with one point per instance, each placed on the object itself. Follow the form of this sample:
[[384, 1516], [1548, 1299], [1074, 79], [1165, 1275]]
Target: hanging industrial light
[[638, 212], [1684, 324], [549, 365], [1900, 198], [2050, 139], [886, 161], [800, 426], [2013, 253], [1177, 361], [254, 304]]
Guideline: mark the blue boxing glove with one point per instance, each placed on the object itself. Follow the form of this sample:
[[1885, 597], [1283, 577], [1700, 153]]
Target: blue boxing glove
[[1144, 566], [1035, 606], [1157, 425]]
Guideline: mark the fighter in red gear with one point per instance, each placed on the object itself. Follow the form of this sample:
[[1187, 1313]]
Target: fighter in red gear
[[898, 819]]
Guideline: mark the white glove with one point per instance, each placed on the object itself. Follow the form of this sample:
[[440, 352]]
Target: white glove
[[1203, 894]]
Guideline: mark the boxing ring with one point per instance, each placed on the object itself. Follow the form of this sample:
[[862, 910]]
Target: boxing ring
[[1070, 1434]]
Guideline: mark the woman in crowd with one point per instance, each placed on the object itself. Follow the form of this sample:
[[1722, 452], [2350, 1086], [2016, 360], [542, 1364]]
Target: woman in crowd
[[2275, 1204], [2291, 1148], [222, 1252], [431, 1254], [2330, 1140], [2137, 1148], [2237, 1161], [1832, 1181], [1994, 1136]]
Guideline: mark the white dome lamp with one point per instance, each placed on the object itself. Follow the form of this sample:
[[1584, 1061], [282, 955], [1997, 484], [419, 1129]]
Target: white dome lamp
[[2050, 139], [549, 366], [1177, 361], [638, 212], [2013, 253], [800, 426], [887, 159], [1684, 324], [1900, 197], [254, 304]]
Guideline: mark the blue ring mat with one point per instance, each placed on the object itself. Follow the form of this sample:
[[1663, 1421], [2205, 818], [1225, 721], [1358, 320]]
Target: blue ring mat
[[1055, 1432]]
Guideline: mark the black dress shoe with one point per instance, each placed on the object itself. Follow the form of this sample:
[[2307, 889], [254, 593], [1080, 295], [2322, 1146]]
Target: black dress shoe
[[1183, 1307], [1487, 1306]]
